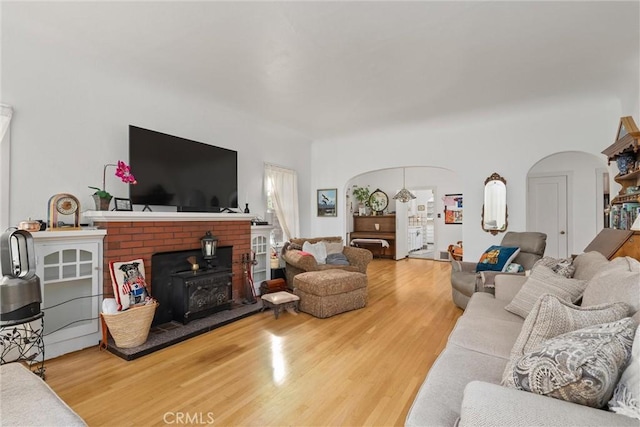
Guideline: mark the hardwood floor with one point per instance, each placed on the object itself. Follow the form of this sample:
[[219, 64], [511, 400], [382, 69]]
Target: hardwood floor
[[358, 368]]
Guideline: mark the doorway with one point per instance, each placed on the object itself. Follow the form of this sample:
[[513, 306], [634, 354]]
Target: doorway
[[547, 212], [420, 223]]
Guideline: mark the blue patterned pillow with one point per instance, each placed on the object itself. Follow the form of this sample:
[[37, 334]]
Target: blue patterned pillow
[[497, 258]]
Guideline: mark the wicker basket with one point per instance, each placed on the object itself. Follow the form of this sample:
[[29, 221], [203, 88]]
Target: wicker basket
[[130, 328]]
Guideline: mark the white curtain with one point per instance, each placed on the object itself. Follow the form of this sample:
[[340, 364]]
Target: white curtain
[[282, 185], [6, 112]]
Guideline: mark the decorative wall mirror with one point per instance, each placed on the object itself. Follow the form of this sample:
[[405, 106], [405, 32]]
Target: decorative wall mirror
[[494, 210]]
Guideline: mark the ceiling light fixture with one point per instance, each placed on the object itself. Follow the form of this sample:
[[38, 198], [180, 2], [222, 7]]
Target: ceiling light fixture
[[404, 195]]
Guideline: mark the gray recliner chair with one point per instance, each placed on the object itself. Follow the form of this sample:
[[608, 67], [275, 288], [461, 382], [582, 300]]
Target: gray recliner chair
[[465, 280]]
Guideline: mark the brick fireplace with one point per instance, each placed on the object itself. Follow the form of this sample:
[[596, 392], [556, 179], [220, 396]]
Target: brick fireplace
[[141, 234]]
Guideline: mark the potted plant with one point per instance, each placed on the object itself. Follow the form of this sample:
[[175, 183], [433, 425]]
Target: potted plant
[[102, 197], [362, 195]]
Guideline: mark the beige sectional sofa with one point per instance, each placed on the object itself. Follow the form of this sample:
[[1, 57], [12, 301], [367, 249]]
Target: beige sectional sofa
[[464, 384]]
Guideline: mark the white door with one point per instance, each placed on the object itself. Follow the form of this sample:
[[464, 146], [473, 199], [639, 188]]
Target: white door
[[402, 225], [547, 212]]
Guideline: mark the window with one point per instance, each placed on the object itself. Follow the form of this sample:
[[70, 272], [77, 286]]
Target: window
[[281, 185]]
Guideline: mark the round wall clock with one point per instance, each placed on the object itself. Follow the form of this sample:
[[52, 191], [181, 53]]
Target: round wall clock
[[378, 201], [63, 204]]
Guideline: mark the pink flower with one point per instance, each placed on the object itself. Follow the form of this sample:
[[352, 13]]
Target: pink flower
[[123, 171]]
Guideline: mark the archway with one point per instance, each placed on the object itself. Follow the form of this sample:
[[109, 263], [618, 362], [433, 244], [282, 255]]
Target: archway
[[437, 179]]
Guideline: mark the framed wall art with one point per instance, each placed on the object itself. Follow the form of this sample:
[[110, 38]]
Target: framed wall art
[[452, 208], [326, 202]]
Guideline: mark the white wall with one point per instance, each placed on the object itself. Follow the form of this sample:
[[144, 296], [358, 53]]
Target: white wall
[[508, 141], [72, 115]]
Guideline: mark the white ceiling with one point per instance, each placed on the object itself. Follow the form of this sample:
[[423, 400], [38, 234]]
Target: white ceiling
[[326, 68]]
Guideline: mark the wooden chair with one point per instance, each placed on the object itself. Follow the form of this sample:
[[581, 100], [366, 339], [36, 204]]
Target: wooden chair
[[455, 251]]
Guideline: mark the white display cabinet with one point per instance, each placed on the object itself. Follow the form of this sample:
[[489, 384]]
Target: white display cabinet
[[69, 265], [261, 247]]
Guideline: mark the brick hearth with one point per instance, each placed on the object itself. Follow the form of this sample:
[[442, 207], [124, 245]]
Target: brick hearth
[[141, 239]]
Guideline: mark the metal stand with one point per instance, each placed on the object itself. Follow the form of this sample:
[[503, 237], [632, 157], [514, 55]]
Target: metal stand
[[21, 337], [249, 291]]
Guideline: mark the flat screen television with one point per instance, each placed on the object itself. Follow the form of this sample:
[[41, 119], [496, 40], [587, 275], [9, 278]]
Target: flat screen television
[[174, 171]]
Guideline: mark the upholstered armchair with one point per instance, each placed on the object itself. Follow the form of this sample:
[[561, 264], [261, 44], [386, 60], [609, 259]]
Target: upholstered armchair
[[297, 261], [465, 280]]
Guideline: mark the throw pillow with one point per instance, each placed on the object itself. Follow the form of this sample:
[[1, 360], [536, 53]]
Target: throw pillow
[[318, 250], [626, 396], [619, 281], [582, 366], [589, 264], [128, 280], [514, 268], [551, 317], [497, 258], [544, 281], [337, 259], [562, 266], [334, 247]]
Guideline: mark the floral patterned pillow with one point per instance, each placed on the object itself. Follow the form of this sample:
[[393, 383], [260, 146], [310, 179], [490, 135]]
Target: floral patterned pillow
[[582, 366]]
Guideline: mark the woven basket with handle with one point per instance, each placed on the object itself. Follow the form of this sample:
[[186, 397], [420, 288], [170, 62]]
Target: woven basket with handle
[[130, 328]]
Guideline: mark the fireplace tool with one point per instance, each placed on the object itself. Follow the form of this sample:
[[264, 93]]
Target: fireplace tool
[[249, 260], [20, 294]]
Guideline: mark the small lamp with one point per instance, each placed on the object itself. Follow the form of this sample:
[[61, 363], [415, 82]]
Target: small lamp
[[208, 244]]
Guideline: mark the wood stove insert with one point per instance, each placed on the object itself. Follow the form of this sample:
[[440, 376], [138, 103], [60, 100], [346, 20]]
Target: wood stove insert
[[185, 295]]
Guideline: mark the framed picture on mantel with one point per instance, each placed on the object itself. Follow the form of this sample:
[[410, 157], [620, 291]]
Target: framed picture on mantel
[[326, 202], [122, 204]]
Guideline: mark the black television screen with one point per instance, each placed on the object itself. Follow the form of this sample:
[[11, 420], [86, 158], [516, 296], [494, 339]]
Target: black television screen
[[173, 171]]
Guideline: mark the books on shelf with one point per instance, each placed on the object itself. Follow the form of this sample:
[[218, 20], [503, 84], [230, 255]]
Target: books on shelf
[[622, 216]]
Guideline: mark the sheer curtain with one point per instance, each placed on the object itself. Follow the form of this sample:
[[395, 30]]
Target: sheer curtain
[[6, 112], [282, 189]]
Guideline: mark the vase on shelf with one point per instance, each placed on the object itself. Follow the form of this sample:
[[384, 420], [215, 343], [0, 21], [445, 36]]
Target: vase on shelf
[[102, 203], [625, 162], [246, 208]]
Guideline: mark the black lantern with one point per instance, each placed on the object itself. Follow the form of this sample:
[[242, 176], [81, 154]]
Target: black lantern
[[208, 244]]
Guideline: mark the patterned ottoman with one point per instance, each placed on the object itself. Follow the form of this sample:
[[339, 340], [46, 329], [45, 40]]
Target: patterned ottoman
[[329, 292]]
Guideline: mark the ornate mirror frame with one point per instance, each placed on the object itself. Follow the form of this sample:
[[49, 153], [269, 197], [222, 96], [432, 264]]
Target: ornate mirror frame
[[494, 209]]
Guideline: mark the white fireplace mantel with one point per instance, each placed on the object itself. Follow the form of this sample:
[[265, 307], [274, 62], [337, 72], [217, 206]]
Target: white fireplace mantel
[[132, 216]]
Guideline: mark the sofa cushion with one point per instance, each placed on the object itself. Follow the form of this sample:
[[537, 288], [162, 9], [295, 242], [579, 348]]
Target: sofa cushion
[[493, 337], [333, 247], [551, 317], [440, 396], [497, 258], [544, 281], [588, 265], [619, 281], [318, 250], [582, 366], [329, 282], [626, 396], [484, 307]]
